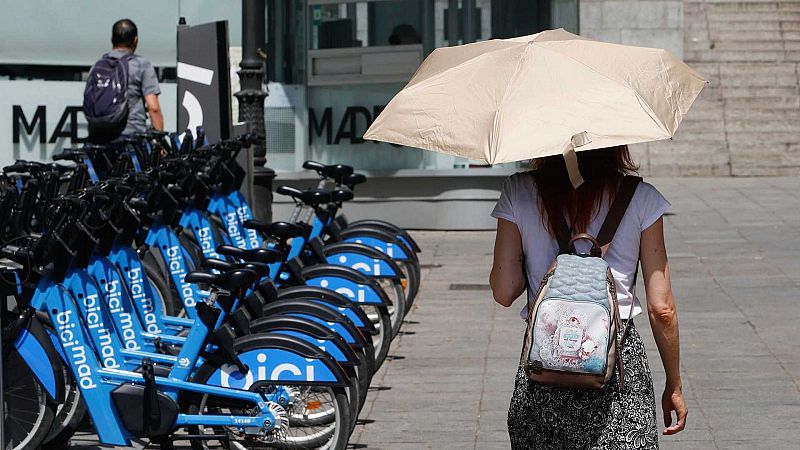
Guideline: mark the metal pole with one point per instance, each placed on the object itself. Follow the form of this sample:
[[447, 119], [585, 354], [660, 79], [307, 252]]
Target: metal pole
[[251, 102], [428, 22], [468, 21], [2, 393], [452, 22]]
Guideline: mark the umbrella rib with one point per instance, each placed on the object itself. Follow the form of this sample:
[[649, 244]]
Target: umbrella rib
[[494, 141]]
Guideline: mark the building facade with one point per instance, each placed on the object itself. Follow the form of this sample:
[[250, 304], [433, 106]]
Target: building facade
[[333, 65]]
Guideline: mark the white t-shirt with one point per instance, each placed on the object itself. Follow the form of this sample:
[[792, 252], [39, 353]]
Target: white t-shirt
[[518, 203]]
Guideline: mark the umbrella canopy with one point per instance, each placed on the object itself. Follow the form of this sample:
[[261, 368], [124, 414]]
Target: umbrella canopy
[[545, 94]]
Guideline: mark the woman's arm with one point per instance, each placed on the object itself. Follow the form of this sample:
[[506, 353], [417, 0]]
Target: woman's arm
[[508, 275], [664, 321]]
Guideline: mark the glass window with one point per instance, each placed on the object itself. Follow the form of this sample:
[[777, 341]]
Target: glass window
[[364, 24], [353, 56]]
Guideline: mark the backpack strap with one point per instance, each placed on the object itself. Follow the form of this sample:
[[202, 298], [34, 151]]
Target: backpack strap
[[607, 231], [617, 210], [564, 235]]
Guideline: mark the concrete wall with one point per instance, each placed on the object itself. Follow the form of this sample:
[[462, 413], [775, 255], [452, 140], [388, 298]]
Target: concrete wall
[[747, 121], [648, 23]]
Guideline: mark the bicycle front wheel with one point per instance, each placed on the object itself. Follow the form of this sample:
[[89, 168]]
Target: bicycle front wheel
[[28, 411]]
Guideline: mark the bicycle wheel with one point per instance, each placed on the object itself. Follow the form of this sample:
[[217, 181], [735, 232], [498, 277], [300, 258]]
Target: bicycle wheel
[[68, 416], [317, 418], [382, 340], [412, 282], [28, 412], [397, 297], [170, 306]]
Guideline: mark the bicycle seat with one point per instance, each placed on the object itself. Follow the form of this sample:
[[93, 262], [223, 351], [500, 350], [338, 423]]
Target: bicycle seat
[[227, 280], [282, 231], [311, 197], [25, 167], [342, 195], [336, 171], [70, 155], [354, 179], [226, 266], [261, 255]]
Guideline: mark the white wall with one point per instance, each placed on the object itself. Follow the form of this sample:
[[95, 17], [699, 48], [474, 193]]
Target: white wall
[[77, 32], [56, 96]]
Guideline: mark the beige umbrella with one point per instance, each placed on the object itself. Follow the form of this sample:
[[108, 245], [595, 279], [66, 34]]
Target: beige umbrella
[[545, 94]]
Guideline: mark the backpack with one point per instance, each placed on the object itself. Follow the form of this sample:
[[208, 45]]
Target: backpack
[[573, 324], [105, 100]]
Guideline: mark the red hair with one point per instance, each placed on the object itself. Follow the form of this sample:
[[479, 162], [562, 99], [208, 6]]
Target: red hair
[[602, 170]]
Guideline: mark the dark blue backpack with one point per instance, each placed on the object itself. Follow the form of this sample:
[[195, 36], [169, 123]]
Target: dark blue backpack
[[105, 101]]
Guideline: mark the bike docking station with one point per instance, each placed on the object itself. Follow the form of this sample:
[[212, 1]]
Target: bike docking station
[[145, 301]]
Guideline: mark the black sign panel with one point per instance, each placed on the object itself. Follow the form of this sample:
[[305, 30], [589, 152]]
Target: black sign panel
[[204, 85]]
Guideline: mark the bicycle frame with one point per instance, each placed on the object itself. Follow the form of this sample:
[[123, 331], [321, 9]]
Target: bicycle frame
[[175, 257], [96, 384]]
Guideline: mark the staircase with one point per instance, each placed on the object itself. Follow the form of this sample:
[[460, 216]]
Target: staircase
[[747, 121]]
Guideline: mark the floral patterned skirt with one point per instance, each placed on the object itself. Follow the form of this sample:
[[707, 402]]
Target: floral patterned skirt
[[549, 417]]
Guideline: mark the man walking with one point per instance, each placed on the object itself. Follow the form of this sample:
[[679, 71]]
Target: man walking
[[110, 113]]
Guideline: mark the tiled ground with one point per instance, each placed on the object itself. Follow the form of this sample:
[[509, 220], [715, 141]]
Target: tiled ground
[[734, 247]]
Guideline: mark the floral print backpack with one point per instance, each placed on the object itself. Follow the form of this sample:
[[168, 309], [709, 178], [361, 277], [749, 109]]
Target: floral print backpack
[[573, 324]]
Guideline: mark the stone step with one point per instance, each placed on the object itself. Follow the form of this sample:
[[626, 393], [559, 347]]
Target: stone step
[[741, 7], [748, 46], [748, 25], [778, 126], [735, 56], [770, 56], [757, 35], [717, 35], [702, 112], [761, 137], [758, 91], [696, 124], [764, 159], [762, 115], [712, 92], [712, 3], [763, 103], [775, 75], [752, 16], [688, 158]]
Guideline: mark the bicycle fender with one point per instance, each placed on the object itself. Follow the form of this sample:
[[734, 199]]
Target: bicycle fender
[[41, 357], [321, 314], [351, 283], [335, 300], [378, 239], [359, 257], [311, 332], [382, 224], [278, 358]]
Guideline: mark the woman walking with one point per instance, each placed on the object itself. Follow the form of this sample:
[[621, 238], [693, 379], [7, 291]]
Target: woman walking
[[528, 211]]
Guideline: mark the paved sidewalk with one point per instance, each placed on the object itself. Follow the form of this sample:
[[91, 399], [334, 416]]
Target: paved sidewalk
[[734, 246]]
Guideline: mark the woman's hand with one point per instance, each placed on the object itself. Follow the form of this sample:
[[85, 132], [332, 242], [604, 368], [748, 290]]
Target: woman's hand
[[672, 400]]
